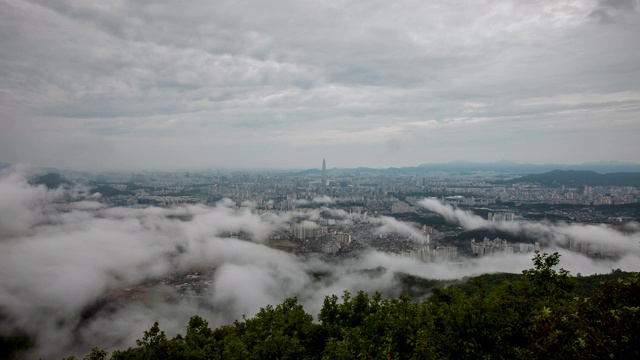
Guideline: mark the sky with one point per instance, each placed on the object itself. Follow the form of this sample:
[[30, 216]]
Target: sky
[[130, 85]]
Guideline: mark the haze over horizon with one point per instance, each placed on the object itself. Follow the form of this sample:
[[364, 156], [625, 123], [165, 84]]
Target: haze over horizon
[[136, 85]]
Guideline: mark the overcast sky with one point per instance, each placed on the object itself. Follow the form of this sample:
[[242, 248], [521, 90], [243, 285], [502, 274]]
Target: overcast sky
[[255, 84]]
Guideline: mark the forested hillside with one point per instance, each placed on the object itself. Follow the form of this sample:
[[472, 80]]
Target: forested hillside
[[543, 314]]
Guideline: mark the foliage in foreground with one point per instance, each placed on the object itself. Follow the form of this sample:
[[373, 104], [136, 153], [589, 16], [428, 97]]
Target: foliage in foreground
[[537, 316]]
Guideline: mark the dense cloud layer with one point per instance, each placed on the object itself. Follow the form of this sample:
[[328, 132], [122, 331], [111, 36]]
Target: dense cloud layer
[[363, 83], [58, 259]]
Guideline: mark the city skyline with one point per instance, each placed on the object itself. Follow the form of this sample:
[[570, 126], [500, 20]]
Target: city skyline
[[128, 86]]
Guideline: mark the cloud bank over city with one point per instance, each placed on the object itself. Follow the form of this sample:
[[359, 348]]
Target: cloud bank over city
[[59, 259], [553, 234], [138, 85]]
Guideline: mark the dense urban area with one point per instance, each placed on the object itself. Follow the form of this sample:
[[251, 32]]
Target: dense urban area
[[321, 200]]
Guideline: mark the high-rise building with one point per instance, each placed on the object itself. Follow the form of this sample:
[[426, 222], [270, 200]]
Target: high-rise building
[[324, 175]]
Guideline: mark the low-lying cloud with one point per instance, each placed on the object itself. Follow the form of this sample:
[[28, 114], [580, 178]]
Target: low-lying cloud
[[391, 225], [551, 233], [59, 259]]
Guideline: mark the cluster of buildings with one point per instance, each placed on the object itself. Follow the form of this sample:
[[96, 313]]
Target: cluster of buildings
[[430, 254], [500, 246], [599, 250], [500, 216], [400, 207], [280, 190], [341, 240], [364, 195], [332, 241], [530, 193]]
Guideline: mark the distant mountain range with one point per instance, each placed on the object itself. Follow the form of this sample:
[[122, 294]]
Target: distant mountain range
[[500, 167], [580, 178], [511, 167]]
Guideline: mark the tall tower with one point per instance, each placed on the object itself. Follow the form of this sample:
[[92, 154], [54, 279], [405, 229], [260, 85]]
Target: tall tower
[[324, 175]]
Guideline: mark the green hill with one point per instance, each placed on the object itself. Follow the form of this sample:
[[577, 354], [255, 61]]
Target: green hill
[[52, 181], [539, 314]]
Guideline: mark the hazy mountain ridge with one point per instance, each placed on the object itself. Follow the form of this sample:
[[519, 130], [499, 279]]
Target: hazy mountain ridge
[[500, 167], [512, 167], [581, 178]]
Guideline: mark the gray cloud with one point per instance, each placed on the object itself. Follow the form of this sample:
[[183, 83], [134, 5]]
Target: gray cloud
[[609, 11], [391, 225], [84, 84], [553, 234]]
